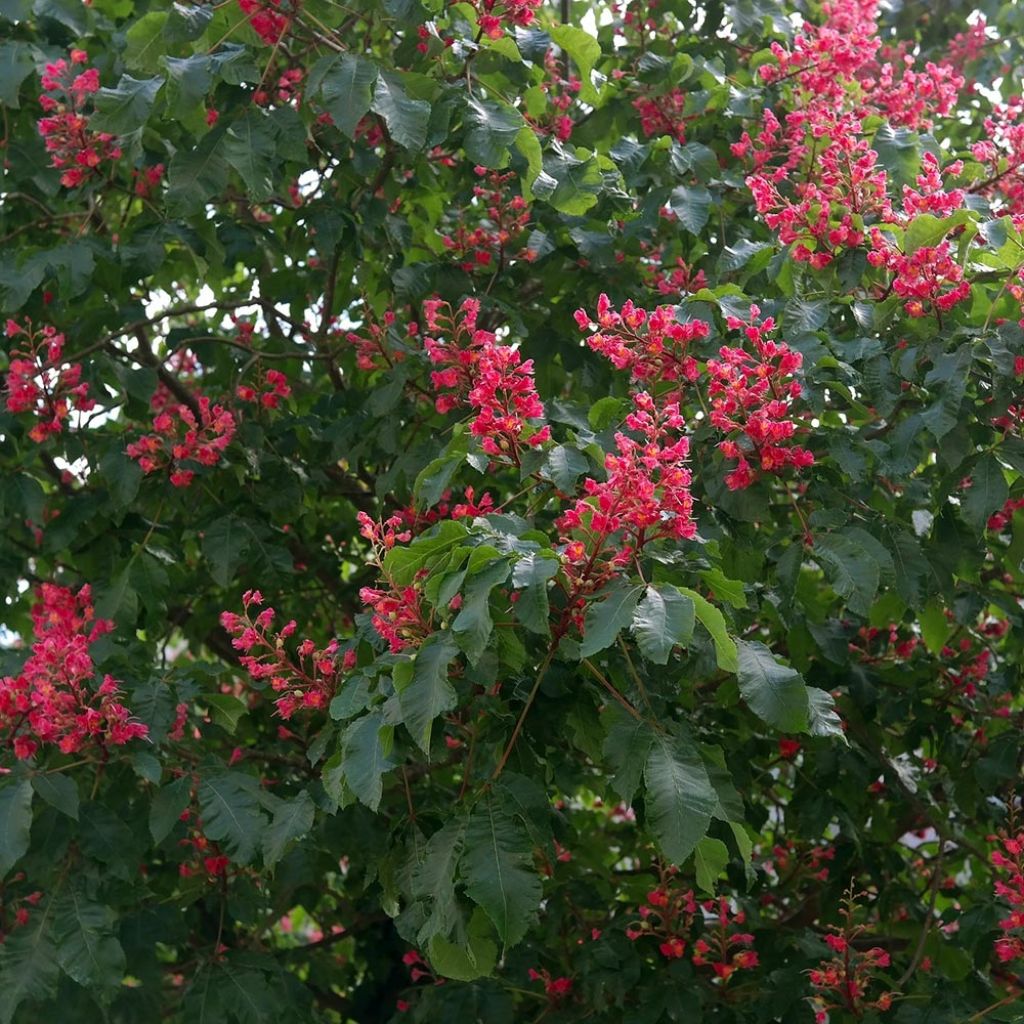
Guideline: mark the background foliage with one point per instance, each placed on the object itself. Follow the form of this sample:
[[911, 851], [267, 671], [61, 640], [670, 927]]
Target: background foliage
[[536, 770]]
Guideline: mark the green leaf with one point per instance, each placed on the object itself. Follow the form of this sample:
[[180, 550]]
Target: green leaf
[[406, 118], [497, 868], [229, 806], [530, 577], [987, 494], [663, 619], [248, 146], [28, 964], [679, 797], [346, 91], [491, 128], [721, 587], [58, 791], [709, 860], [529, 147], [926, 231], [366, 756], [145, 42], [585, 52], [563, 466], [16, 64], [225, 543], [852, 571], [692, 205], [123, 475], [694, 158], [714, 622], [775, 693], [935, 627], [476, 958], [823, 719], [168, 804], [194, 176], [430, 693], [571, 183], [87, 950], [433, 879], [292, 820], [125, 108], [626, 745], [227, 710], [605, 619], [473, 625], [15, 822]]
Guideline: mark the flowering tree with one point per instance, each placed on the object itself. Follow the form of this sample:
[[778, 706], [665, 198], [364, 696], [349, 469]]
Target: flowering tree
[[511, 513]]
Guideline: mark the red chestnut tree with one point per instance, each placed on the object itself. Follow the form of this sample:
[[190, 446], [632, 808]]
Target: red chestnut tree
[[511, 511]]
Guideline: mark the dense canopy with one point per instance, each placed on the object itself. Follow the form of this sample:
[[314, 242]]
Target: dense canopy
[[511, 512]]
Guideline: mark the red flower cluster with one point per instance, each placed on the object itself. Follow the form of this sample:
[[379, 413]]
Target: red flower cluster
[[306, 682], [493, 379], [1009, 866], [645, 497], [719, 950], [1002, 155], [287, 91], [669, 916], [752, 396], [651, 346], [375, 352], [930, 279], [844, 982], [671, 278], [180, 438], [398, 616], [662, 114], [494, 16], [38, 382], [501, 221], [73, 148], [268, 392], [51, 701], [270, 19], [556, 989]]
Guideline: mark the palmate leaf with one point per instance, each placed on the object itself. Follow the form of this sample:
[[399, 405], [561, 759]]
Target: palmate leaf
[[497, 868], [229, 804], [87, 949], [663, 619], [292, 820], [429, 694], [606, 618], [15, 822], [774, 692], [28, 963], [678, 794]]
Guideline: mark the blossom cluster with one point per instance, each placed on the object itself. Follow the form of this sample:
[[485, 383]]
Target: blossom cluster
[[269, 19], [651, 346], [494, 16], [844, 982], [179, 438], [1009, 867], [398, 614], [53, 700], [492, 379], [306, 681], [669, 916], [40, 382], [662, 113], [751, 399], [751, 393], [268, 392], [74, 149], [646, 496], [488, 229]]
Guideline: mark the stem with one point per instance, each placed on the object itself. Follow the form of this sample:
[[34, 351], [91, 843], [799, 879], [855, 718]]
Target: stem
[[545, 664]]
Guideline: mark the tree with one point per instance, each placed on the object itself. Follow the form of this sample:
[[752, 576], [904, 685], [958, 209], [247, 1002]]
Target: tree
[[511, 513]]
